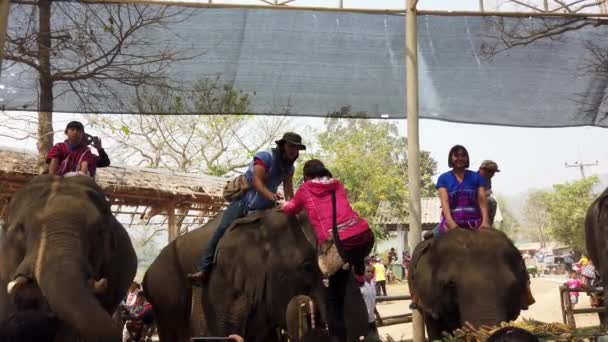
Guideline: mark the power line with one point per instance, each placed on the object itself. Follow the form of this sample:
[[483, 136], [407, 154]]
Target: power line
[[581, 166]]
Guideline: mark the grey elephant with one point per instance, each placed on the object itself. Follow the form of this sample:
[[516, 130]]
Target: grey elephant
[[596, 240], [63, 254], [465, 276], [261, 266]]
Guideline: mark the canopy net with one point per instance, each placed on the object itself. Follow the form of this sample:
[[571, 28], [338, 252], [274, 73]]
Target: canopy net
[[156, 59]]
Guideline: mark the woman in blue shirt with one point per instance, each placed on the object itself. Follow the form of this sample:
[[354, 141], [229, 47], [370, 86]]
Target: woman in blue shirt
[[462, 194]]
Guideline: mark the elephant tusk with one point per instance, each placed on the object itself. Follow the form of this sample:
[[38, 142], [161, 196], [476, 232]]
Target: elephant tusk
[[100, 286], [13, 285]]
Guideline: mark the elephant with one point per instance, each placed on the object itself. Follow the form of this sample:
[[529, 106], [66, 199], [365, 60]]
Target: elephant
[[260, 266], [64, 254], [468, 276], [596, 241]]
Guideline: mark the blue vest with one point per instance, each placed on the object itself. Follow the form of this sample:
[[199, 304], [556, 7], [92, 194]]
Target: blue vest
[[275, 174]]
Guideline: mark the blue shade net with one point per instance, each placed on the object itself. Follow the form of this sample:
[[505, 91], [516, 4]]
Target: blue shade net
[[153, 59]]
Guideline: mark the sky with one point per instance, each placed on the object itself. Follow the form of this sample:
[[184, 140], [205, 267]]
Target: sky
[[529, 158]]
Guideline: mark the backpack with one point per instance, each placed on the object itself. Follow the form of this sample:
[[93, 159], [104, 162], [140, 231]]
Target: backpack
[[235, 188]]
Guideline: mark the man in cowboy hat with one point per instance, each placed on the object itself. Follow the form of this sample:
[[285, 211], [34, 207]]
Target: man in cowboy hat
[[266, 172], [487, 170]]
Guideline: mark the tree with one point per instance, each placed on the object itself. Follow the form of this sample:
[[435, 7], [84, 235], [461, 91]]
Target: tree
[[91, 51], [370, 158], [536, 217], [567, 206], [505, 33], [212, 144], [510, 225]]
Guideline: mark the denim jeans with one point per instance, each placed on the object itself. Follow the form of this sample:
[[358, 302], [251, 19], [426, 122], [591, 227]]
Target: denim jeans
[[234, 211]]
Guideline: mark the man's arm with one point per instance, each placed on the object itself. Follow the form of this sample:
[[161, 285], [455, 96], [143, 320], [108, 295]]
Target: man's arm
[[103, 160], [288, 187], [53, 166], [259, 174], [483, 205]]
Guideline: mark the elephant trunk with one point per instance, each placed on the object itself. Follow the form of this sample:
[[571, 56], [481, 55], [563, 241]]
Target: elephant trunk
[[60, 275], [481, 308]]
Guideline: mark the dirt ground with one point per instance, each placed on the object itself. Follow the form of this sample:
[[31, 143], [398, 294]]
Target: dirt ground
[[546, 309]]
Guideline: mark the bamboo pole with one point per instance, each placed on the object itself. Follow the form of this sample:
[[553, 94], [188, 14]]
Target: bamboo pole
[[334, 9], [171, 222], [413, 148]]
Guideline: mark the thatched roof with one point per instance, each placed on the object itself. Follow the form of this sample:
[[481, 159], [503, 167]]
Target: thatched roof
[[154, 189]]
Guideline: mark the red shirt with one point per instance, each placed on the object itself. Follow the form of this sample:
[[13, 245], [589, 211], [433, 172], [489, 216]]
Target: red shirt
[[70, 159]]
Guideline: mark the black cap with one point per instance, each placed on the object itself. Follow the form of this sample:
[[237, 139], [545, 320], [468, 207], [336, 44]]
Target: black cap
[[292, 138], [75, 124]]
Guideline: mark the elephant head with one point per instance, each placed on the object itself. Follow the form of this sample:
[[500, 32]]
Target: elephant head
[[60, 251], [464, 276], [596, 240]]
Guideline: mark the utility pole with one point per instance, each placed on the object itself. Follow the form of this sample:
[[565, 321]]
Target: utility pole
[[581, 166]]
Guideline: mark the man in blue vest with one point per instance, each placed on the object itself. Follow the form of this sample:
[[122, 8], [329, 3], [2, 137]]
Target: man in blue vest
[[265, 174]]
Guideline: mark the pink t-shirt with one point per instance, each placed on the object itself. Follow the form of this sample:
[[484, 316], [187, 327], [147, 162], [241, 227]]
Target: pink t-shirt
[[574, 284], [315, 197]]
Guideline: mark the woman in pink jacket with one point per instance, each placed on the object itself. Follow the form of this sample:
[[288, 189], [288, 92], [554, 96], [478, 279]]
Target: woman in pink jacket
[[356, 240]]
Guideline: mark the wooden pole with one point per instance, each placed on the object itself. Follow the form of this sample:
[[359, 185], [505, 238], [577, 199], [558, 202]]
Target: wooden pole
[[346, 10], [413, 144], [4, 10], [171, 221]]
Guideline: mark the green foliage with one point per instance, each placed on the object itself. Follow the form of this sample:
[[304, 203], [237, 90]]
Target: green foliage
[[567, 206], [370, 158], [510, 225], [536, 217]]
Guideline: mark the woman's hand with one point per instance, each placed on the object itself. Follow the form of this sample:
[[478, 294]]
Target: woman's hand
[[451, 225]]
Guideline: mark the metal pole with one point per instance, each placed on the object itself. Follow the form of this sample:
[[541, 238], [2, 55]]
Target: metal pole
[[546, 5], [4, 9], [481, 6], [341, 4], [413, 164]]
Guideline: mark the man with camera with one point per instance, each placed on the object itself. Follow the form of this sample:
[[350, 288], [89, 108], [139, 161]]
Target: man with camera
[[73, 156]]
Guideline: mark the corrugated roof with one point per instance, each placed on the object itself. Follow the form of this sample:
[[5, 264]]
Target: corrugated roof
[[430, 211]]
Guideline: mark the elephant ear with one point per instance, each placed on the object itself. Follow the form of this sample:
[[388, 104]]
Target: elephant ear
[[423, 278]]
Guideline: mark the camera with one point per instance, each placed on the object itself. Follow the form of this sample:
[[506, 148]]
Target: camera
[[89, 139]]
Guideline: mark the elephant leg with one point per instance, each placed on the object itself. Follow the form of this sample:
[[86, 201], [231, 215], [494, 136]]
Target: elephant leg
[[334, 302]]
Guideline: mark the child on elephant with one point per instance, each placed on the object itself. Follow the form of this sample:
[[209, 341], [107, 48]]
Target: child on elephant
[[355, 237]]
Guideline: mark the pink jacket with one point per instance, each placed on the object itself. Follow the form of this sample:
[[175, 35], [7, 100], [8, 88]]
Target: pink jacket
[[315, 197]]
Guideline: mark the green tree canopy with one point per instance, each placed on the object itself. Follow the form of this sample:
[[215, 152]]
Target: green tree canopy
[[370, 158], [510, 225], [567, 206]]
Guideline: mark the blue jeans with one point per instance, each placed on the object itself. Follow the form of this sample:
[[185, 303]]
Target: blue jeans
[[234, 211]]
